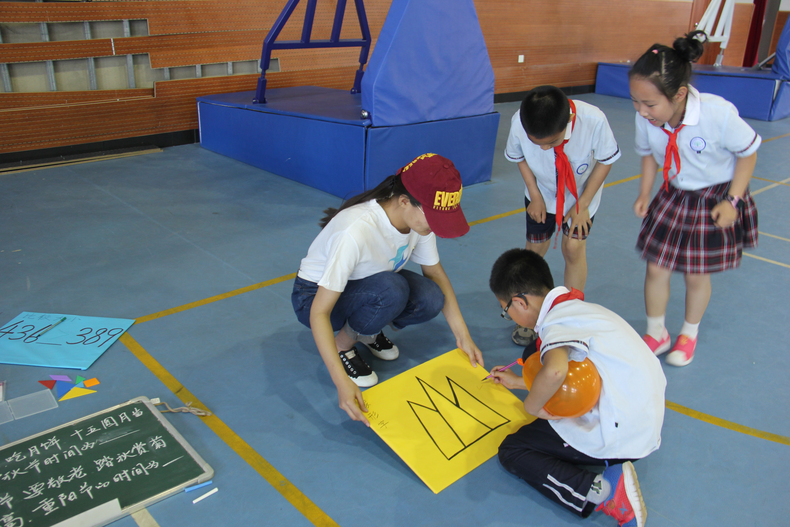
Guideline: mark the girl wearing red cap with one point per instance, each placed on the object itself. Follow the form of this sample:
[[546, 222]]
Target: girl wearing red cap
[[352, 280]]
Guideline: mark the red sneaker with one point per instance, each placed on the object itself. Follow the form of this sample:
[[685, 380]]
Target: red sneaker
[[625, 503], [683, 351], [658, 346]]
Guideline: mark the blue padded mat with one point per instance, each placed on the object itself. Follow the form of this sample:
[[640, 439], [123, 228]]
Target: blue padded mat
[[751, 91], [430, 63], [315, 136], [314, 102]]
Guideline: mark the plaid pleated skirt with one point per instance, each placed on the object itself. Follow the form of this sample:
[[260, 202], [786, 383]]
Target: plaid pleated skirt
[[679, 234]]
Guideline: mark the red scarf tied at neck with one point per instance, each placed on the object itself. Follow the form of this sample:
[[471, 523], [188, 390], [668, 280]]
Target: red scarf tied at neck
[[565, 176], [671, 153]]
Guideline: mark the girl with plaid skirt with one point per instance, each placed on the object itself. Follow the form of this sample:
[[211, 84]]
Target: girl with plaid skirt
[[703, 215]]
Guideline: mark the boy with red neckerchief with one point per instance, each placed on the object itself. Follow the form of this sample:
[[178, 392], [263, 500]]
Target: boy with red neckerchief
[[552, 454], [564, 150]]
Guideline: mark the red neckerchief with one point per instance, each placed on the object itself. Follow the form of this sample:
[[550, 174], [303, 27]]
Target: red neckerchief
[[574, 294], [671, 153], [564, 175]]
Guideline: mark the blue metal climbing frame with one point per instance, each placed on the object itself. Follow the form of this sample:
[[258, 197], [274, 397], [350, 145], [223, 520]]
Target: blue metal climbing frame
[[334, 41]]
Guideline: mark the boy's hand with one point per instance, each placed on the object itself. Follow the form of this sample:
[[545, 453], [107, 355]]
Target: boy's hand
[[724, 214], [537, 209], [508, 379], [579, 221], [640, 207]]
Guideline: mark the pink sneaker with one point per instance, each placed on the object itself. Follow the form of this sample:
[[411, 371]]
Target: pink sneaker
[[682, 352], [658, 346]]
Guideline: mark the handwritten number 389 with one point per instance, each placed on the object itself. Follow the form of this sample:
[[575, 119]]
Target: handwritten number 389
[[87, 341]]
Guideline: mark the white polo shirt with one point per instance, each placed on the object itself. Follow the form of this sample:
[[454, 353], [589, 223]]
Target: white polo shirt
[[590, 140], [626, 422], [359, 242], [713, 137]]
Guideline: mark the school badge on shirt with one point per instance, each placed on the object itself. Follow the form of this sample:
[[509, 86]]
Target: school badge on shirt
[[698, 144]]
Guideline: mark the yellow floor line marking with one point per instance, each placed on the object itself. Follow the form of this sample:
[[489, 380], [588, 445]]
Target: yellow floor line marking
[[497, 217], [769, 187], [519, 211], [28, 168], [144, 518], [209, 300], [773, 236], [766, 260], [777, 137], [626, 180], [771, 181], [729, 425], [301, 502]]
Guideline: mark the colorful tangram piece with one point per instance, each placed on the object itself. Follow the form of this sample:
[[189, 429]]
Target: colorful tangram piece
[[62, 388], [76, 392], [68, 389]]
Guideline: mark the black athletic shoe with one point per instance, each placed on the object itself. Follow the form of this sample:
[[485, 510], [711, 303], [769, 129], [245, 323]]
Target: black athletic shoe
[[383, 348], [357, 369]]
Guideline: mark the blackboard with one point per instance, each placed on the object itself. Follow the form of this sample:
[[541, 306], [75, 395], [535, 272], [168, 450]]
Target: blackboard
[[128, 453]]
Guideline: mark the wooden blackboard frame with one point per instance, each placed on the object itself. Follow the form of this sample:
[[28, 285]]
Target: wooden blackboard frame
[[133, 486]]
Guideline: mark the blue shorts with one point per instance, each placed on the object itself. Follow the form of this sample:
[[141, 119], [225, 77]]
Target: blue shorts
[[541, 232]]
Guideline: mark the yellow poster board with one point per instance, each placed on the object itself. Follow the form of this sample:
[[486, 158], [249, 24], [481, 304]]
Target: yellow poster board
[[442, 419]]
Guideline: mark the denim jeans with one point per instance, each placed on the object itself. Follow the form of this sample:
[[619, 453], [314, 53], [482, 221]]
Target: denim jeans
[[402, 299]]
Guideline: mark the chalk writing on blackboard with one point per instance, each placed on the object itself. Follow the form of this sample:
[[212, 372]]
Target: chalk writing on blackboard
[[129, 453]]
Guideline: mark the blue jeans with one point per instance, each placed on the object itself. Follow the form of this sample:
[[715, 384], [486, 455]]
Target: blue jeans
[[403, 299]]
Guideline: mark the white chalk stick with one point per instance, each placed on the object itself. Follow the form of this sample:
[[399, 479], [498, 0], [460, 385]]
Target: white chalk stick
[[206, 495]]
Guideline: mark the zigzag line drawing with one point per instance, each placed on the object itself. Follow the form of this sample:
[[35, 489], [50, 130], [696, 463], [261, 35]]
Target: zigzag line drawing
[[455, 423]]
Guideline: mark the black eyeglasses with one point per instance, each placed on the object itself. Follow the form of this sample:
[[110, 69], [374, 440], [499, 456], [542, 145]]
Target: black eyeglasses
[[504, 313]]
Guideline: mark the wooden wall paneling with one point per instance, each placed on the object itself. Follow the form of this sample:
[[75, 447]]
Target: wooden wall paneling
[[697, 11], [563, 40], [181, 33], [168, 17], [516, 80], [195, 48], [781, 20], [739, 35], [164, 18], [164, 51], [172, 109], [47, 99], [40, 51]]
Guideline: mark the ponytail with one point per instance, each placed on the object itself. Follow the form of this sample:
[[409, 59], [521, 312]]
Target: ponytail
[[391, 186], [667, 68]]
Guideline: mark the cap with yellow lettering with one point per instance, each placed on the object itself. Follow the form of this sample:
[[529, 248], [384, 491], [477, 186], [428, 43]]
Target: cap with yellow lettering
[[434, 181]]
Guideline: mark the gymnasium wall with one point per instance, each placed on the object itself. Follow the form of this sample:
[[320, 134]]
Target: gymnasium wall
[[87, 72]]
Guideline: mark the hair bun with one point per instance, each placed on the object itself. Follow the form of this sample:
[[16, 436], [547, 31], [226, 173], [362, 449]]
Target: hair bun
[[691, 47]]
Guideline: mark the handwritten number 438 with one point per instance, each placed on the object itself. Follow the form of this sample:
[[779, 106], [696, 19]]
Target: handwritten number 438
[[88, 336]]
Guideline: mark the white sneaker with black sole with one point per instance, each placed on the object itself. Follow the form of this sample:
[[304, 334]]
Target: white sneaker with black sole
[[357, 369], [383, 348]]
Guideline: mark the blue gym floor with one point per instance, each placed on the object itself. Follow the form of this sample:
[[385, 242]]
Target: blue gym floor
[[201, 249]]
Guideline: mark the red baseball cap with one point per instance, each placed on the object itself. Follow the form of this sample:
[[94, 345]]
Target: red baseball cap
[[434, 181]]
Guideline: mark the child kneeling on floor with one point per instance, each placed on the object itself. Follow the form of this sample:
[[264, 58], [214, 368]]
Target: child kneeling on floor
[[552, 453]]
